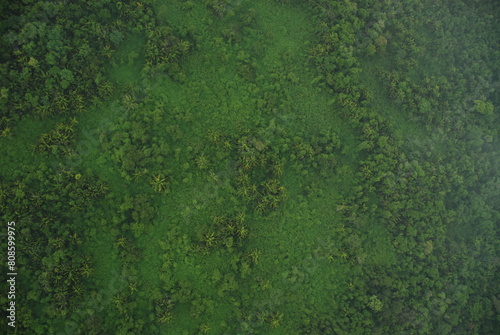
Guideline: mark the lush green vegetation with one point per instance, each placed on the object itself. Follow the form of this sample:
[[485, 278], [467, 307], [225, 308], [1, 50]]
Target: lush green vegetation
[[252, 167]]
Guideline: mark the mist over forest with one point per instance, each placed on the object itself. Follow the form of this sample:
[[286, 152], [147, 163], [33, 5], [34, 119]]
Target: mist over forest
[[250, 167]]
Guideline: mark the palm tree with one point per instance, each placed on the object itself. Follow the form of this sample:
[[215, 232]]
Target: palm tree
[[274, 201], [213, 177], [119, 300], [265, 284], [60, 294], [202, 161], [227, 145], [210, 239], [204, 328], [254, 189], [86, 269], [75, 239], [6, 132], [261, 206], [138, 174], [132, 286], [254, 256], [78, 289], [129, 102], [366, 172], [122, 241], [165, 317], [77, 101], [272, 186], [215, 137], [107, 51], [219, 219], [276, 319], [278, 169], [44, 144], [343, 255], [229, 229], [57, 242], [249, 161], [243, 179], [183, 47], [61, 104], [240, 217], [70, 275], [159, 183], [242, 231]]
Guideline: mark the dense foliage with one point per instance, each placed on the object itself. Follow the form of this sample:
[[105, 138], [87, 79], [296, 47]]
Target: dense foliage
[[252, 167]]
